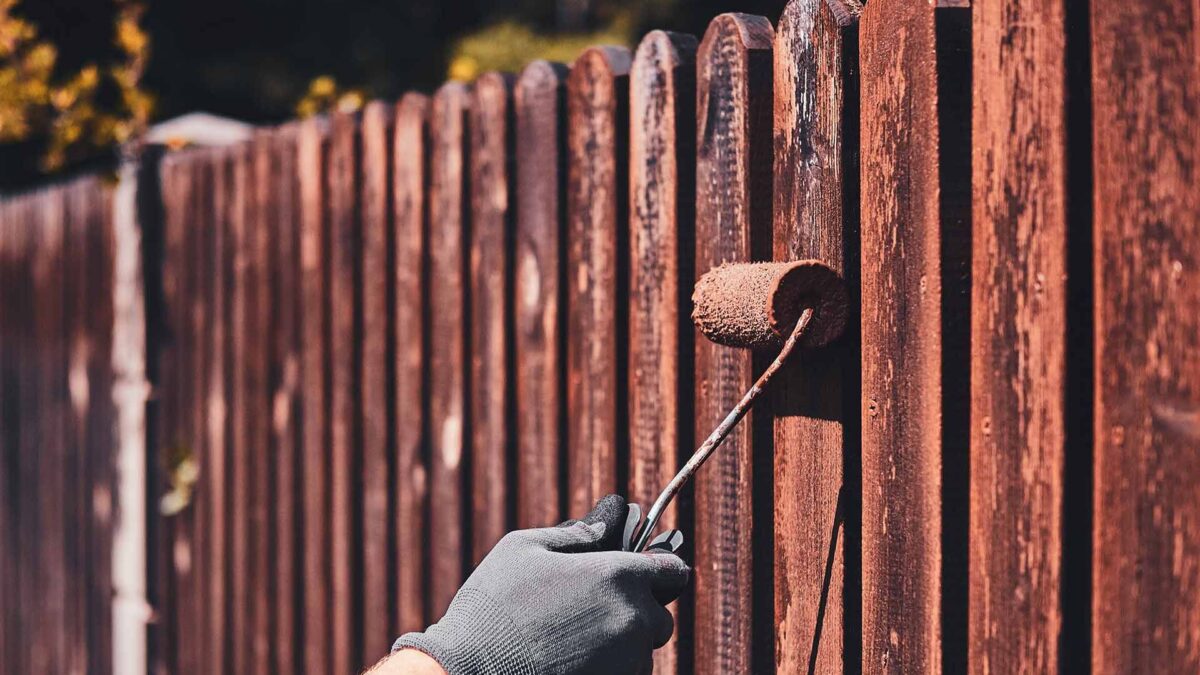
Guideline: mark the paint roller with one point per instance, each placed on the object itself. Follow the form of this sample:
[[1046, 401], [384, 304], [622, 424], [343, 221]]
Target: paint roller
[[778, 305]]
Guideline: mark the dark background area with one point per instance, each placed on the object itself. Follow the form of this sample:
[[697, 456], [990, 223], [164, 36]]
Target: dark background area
[[254, 59]]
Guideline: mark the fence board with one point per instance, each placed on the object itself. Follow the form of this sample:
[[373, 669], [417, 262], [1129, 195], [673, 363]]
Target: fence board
[[374, 375], [345, 241], [217, 429], [448, 232], [662, 197], [490, 264], [597, 205], [241, 205], [816, 402], [410, 211], [539, 310], [901, 340], [9, 505], [733, 220], [1146, 66], [26, 439], [284, 371], [258, 396], [1019, 318], [75, 265], [315, 461]]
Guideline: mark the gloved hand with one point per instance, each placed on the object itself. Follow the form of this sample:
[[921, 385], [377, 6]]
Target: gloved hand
[[559, 600]]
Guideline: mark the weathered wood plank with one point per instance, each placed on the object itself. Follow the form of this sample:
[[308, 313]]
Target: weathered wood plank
[[75, 265], [901, 328], [448, 231], [1018, 333], [662, 196], [597, 231], [345, 241], [9, 506], [816, 416], [218, 429], [285, 390], [314, 363], [539, 311], [1146, 162], [241, 385], [410, 212], [23, 435], [258, 396], [733, 223], [491, 144], [374, 375]]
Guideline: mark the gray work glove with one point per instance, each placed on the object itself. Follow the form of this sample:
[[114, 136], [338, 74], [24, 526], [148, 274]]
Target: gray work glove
[[559, 600]]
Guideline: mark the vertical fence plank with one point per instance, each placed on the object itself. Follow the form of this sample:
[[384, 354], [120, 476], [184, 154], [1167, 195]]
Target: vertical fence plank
[[539, 292], [816, 401], [733, 221], [662, 198], [75, 336], [26, 455], [342, 177], [9, 606], [1018, 328], [217, 403], [314, 306], [448, 231], [51, 383], [597, 205], [285, 402], [1145, 97], [410, 212], [901, 340], [101, 443], [262, 546], [491, 308], [374, 373], [240, 335]]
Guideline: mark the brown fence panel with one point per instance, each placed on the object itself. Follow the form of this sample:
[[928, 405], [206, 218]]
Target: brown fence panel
[[490, 256], [733, 223], [448, 229], [1145, 97], [597, 197], [9, 630], [901, 340], [816, 405], [1019, 323], [315, 461], [662, 198], [539, 310], [410, 213], [376, 440]]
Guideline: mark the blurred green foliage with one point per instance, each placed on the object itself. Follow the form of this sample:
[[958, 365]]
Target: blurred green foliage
[[264, 61]]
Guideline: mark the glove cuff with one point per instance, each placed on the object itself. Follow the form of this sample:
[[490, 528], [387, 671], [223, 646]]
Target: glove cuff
[[476, 637]]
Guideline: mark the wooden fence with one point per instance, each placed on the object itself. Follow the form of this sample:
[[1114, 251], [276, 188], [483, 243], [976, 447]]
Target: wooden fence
[[377, 341]]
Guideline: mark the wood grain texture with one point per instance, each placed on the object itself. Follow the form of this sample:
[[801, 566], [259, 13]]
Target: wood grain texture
[[490, 264], [597, 198], [345, 242], [733, 221], [901, 340], [811, 407], [662, 197], [1146, 149], [243, 382], [314, 312], [410, 212], [258, 397], [1018, 333], [219, 431], [448, 232], [23, 468], [10, 627], [285, 392], [374, 375], [539, 305]]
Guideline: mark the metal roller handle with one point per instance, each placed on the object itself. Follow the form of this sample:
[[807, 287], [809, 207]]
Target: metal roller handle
[[718, 435]]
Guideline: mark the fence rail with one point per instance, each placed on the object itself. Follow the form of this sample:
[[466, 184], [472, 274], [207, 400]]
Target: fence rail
[[377, 341]]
